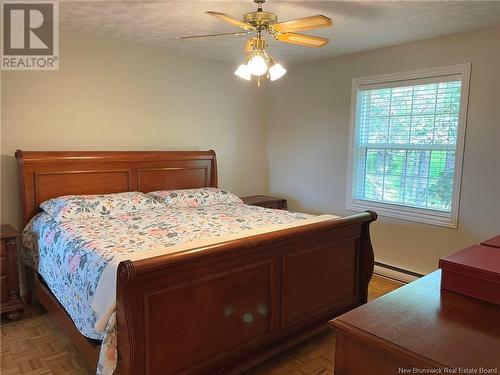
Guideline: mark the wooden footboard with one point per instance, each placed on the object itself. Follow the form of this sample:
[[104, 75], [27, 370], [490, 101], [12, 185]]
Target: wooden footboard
[[226, 308]]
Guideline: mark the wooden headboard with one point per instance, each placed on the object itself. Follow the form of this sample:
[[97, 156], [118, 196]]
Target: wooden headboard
[[48, 174]]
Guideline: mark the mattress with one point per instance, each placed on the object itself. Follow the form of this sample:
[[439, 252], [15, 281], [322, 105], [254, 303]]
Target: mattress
[[78, 259]]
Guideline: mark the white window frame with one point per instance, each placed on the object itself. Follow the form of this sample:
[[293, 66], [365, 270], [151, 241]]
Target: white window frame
[[422, 215]]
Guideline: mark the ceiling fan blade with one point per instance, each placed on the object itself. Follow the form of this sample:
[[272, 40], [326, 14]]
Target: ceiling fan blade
[[212, 35], [299, 24], [233, 21], [302, 40]]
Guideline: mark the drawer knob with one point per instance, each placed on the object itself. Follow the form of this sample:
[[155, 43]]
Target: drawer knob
[[248, 318]]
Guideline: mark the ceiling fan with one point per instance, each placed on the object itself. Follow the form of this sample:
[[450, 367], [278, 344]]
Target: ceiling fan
[[258, 61]]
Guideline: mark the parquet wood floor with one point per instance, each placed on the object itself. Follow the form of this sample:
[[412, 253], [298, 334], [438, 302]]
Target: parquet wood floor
[[34, 345]]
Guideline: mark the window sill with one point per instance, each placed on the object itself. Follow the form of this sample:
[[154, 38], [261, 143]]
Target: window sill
[[437, 218]]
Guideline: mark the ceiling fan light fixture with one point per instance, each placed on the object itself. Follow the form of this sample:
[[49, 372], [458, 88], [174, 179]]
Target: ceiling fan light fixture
[[243, 72], [258, 61], [276, 71], [257, 64]]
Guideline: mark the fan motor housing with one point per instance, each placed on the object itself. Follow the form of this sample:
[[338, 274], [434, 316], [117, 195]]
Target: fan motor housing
[[261, 18]]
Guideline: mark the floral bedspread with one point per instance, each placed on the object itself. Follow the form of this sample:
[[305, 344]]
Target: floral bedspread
[[72, 255]]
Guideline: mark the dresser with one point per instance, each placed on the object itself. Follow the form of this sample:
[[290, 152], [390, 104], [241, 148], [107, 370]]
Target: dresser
[[419, 326], [265, 201], [10, 301]]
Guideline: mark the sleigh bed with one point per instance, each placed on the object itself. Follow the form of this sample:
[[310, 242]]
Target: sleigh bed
[[170, 309]]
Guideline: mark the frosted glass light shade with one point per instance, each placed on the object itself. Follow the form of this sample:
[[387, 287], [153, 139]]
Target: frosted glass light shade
[[243, 72], [257, 65], [276, 71]]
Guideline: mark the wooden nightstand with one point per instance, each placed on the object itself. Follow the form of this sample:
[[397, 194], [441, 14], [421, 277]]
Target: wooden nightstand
[[9, 281], [265, 201]]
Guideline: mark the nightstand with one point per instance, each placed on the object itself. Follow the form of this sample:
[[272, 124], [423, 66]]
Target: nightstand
[[265, 201], [9, 281]]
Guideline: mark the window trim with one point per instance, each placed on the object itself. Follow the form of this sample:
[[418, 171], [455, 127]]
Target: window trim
[[421, 215]]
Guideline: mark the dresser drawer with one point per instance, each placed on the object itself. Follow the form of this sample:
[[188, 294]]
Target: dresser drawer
[[4, 285], [10, 304], [265, 201], [8, 244], [3, 258], [281, 205], [3, 265], [4, 288]]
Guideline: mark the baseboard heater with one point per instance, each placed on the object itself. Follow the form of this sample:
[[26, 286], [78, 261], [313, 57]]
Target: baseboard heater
[[395, 273]]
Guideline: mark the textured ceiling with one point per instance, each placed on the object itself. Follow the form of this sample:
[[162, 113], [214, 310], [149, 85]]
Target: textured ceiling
[[358, 25]]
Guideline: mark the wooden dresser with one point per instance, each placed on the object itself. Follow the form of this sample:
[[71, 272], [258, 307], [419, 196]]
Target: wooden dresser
[[419, 326], [265, 201], [9, 281]]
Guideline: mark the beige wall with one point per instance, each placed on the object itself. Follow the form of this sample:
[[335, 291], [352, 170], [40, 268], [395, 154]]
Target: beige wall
[[111, 96], [308, 127]]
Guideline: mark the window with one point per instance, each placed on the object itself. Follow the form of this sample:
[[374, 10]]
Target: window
[[406, 144]]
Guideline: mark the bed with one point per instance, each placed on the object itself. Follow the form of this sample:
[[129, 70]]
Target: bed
[[303, 275]]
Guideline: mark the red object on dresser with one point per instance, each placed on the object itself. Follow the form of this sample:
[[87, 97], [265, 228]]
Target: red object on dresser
[[494, 242], [474, 272]]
